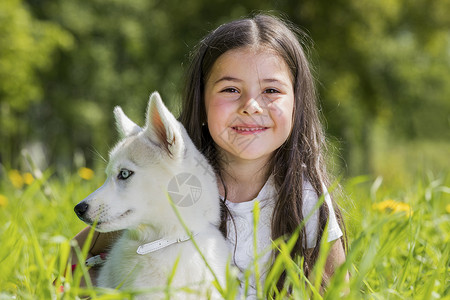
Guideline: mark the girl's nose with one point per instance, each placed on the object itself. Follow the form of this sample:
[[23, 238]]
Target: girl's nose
[[251, 107]]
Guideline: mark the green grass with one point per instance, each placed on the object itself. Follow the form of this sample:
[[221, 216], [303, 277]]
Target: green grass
[[397, 249]]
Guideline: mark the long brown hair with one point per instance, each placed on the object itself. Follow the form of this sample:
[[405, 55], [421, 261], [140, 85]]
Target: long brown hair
[[301, 157]]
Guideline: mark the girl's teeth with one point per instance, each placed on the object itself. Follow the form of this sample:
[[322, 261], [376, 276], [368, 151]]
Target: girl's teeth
[[248, 129]]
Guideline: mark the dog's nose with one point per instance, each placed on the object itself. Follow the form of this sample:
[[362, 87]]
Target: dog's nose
[[81, 208]]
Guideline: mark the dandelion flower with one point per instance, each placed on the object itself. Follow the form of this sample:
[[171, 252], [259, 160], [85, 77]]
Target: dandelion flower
[[3, 200], [86, 173], [392, 206], [28, 178], [447, 208], [16, 179]]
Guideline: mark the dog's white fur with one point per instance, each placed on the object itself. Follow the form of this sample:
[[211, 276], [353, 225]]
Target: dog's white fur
[[140, 204]]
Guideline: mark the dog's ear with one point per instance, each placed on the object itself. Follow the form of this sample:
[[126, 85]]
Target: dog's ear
[[162, 126], [125, 126]]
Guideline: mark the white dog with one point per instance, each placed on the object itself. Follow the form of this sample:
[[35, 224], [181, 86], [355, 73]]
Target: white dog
[[146, 167]]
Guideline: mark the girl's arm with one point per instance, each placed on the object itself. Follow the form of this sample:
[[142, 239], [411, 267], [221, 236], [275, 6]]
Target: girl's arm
[[336, 257], [101, 243]]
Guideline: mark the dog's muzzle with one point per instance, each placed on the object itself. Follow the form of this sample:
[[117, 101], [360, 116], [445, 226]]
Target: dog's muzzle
[[80, 209]]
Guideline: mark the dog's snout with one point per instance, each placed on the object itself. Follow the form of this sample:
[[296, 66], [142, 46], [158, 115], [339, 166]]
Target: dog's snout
[[81, 208]]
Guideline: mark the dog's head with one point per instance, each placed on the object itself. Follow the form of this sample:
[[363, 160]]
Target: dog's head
[[142, 167]]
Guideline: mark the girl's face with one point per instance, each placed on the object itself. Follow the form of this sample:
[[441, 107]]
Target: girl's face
[[249, 100]]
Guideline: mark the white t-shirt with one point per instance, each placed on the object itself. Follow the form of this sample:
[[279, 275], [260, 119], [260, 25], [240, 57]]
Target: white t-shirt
[[243, 229]]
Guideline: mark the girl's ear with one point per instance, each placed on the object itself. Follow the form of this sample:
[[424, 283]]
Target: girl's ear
[[162, 127], [125, 126]]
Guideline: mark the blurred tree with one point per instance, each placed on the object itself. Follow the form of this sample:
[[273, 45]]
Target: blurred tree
[[380, 64], [26, 48]]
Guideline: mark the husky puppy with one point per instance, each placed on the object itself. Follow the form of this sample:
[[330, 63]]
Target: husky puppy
[[147, 169]]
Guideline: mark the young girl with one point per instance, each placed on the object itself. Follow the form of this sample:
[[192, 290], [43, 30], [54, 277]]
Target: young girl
[[250, 106]]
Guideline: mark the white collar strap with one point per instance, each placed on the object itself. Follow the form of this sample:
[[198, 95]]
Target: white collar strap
[[160, 244]]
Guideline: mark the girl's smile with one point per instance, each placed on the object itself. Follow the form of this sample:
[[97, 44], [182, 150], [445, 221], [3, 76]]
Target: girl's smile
[[249, 100], [248, 129]]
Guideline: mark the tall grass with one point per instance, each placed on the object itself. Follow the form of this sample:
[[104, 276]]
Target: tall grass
[[398, 242]]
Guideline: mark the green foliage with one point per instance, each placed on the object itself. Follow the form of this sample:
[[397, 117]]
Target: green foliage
[[27, 45], [399, 242], [65, 64], [380, 65]]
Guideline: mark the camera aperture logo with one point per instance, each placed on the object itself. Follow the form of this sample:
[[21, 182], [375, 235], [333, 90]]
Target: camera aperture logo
[[185, 189]]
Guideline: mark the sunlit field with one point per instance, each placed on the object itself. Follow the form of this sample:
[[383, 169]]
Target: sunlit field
[[398, 240], [381, 76]]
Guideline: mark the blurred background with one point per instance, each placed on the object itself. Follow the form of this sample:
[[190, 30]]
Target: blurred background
[[382, 70]]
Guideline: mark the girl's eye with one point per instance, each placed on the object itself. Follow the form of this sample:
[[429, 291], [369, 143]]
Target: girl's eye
[[124, 174], [271, 91], [230, 90]]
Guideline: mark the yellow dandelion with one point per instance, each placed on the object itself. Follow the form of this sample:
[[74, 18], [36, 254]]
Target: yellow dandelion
[[16, 179], [86, 173], [28, 178], [447, 208], [3, 200], [386, 205], [392, 206]]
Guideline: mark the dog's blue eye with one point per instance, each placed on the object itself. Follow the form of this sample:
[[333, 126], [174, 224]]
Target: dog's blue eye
[[124, 174]]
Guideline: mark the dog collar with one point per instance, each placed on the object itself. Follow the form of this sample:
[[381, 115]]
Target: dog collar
[[160, 244]]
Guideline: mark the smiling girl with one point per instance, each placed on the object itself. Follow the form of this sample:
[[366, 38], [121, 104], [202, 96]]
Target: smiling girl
[[250, 106]]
